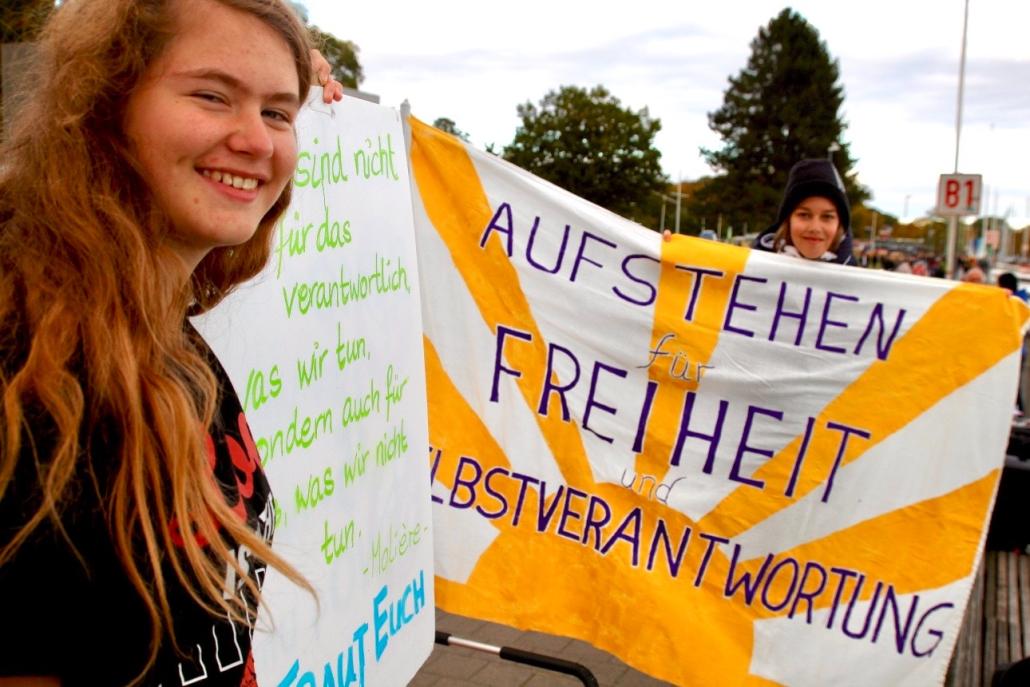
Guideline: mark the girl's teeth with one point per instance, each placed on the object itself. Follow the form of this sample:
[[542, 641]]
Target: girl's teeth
[[245, 183]]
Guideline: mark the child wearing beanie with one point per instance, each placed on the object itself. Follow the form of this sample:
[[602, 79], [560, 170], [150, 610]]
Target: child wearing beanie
[[814, 218]]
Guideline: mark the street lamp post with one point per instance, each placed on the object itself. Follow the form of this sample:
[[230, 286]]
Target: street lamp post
[[831, 149], [872, 234], [677, 200], [679, 197], [953, 221]]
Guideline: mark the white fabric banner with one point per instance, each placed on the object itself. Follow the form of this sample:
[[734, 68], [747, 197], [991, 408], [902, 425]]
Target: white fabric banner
[[723, 466]]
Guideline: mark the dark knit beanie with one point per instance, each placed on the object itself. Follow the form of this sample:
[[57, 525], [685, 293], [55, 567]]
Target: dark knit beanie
[[815, 178]]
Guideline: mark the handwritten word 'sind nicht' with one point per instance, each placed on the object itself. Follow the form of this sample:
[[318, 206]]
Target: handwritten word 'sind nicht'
[[325, 165], [385, 277], [840, 323]]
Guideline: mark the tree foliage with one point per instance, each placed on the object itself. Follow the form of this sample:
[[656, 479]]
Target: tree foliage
[[447, 125], [784, 106], [342, 56], [20, 21], [587, 143]]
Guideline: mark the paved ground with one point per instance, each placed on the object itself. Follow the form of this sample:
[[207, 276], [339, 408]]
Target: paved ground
[[451, 666]]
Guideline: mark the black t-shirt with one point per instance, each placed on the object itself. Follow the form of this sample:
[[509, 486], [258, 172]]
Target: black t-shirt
[[82, 620]]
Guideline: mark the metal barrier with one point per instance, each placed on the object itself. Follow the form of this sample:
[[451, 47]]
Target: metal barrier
[[528, 658]]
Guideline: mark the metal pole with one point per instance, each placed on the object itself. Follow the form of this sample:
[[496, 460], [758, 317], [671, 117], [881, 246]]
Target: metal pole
[[678, 197], [953, 221], [949, 256], [406, 124], [985, 226], [992, 217], [1000, 224], [872, 233], [961, 85], [529, 658], [1026, 241], [662, 220], [831, 149]]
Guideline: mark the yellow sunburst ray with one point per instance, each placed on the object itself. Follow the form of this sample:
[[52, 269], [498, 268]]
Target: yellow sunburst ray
[[440, 164], [887, 396]]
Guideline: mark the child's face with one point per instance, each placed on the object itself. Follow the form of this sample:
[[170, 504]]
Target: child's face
[[813, 226], [211, 123]]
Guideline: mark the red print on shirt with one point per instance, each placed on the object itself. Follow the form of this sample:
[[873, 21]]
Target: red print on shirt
[[245, 462]]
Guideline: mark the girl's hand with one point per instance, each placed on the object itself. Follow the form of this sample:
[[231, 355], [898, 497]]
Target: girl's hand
[[331, 88]]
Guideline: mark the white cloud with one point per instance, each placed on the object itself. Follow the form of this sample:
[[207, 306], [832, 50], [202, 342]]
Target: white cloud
[[474, 62]]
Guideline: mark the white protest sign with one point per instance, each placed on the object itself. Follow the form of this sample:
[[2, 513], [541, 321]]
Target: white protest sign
[[325, 351]]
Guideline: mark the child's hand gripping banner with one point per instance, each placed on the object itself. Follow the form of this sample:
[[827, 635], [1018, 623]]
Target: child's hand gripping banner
[[725, 467]]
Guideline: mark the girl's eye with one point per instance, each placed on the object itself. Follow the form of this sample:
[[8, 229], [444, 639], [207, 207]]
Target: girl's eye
[[279, 116], [209, 97]]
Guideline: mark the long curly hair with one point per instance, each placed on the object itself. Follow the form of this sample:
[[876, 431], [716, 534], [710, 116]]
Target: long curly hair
[[96, 316]]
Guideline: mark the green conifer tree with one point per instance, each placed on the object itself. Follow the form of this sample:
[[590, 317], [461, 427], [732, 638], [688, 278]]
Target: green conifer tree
[[784, 106]]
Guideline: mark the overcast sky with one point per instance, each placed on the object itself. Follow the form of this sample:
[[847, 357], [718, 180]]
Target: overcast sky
[[474, 61]]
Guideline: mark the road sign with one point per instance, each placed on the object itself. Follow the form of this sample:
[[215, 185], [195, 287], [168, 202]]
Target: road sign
[[959, 195]]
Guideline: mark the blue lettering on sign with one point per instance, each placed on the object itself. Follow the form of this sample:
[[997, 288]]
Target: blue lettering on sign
[[389, 620], [338, 673]]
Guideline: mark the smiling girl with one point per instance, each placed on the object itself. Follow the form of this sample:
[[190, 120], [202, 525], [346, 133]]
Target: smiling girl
[[814, 217], [140, 184]]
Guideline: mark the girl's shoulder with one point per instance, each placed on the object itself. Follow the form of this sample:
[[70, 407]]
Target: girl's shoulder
[[766, 240]]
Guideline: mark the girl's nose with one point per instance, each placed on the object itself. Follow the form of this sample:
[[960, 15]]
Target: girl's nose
[[251, 136]]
